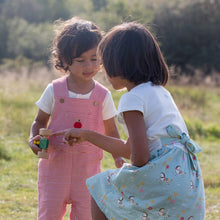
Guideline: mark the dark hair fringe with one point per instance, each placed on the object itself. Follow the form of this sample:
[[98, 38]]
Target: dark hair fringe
[[129, 50]]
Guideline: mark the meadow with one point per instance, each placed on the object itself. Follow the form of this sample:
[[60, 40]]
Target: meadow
[[200, 107]]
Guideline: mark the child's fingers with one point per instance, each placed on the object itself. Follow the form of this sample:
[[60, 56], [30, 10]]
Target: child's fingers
[[35, 138], [64, 140], [119, 162], [33, 144], [72, 141], [68, 140]]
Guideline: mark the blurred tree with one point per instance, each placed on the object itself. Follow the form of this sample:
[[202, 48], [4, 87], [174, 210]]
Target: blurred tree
[[118, 11], [188, 30], [80, 8], [190, 36], [55, 9], [3, 38], [35, 11], [99, 4], [29, 40]]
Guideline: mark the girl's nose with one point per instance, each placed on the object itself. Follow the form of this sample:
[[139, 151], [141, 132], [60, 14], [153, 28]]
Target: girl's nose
[[88, 63]]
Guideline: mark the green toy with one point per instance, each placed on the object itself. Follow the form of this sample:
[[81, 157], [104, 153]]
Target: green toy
[[43, 143]]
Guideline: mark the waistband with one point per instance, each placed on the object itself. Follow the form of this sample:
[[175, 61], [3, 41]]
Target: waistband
[[176, 136], [181, 140]]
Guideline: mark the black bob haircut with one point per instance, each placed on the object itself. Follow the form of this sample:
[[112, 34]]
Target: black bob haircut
[[130, 51]]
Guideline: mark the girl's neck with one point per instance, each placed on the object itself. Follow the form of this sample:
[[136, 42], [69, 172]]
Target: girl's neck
[[80, 87]]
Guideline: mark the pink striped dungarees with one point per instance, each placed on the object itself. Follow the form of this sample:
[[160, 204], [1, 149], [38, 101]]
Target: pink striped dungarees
[[62, 178]]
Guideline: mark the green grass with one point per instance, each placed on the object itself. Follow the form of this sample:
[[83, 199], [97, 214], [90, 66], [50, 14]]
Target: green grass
[[18, 166]]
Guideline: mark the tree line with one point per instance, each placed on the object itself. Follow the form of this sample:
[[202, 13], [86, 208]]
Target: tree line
[[188, 31]]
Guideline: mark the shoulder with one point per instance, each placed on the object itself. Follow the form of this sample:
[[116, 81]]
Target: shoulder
[[149, 92], [45, 103], [140, 91], [49, 89], [132, 101], [147, 87], [143, 97]]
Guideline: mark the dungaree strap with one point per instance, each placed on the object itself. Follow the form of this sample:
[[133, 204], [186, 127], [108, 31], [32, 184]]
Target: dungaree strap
[[99, 92], [60, 87], [190, 145]]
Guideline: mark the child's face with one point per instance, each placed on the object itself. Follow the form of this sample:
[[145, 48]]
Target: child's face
[[86, 66]]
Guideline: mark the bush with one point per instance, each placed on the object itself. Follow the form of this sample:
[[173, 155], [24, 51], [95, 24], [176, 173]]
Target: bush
[[190, 35], [29, 40]]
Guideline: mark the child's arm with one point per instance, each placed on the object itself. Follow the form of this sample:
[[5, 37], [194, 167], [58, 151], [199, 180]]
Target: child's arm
[[110, 144], [137, 137], [40, 121], [112, 131]]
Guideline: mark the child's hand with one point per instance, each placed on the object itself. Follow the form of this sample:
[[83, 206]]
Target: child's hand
[[34, 147], [119, 161], [71, 136]]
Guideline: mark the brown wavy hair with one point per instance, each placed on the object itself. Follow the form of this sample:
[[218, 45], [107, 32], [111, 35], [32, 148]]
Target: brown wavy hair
[[73, 37]]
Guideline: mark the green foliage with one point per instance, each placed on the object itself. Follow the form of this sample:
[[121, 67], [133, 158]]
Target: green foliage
[[26, 25], [200, 107], [4, 155], [99, 4], [118, 11], [188, 31], [199, 129], [190, 35], [29, 40], [214, 131], [3, 38], [35, 11]]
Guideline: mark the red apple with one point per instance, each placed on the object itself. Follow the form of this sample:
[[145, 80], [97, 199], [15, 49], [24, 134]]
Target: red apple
[[77, 124]]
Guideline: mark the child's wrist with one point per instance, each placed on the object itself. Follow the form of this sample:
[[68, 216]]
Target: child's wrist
[[85, 134]]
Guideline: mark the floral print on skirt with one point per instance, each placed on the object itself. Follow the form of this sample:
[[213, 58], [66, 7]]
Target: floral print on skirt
[[169, 186]]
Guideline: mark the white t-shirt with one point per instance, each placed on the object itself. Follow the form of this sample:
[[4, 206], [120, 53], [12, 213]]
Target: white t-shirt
[[158, 108], [47, 101]]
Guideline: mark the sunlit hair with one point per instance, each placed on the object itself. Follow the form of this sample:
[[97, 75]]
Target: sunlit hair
[[130, 51], [74, 37]]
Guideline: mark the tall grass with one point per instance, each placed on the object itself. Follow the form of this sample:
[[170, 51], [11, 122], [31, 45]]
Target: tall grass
[[18, 165]]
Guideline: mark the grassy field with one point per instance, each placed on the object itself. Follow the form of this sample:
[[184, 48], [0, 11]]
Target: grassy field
[[18, 166]]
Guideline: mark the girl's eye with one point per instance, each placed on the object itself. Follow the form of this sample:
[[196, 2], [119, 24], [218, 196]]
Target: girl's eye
[[94, 59], [79, 61]]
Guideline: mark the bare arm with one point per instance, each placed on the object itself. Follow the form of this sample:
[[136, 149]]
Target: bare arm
[[112, 131], [112, 145], [40, 121], [111, 128], [138, 138]]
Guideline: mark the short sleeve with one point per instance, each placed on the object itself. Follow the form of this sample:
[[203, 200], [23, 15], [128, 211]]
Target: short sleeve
[[129, 102], [109, 110], [46, 101]]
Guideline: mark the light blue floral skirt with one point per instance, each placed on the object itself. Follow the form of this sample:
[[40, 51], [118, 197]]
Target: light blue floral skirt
[[169, 186]]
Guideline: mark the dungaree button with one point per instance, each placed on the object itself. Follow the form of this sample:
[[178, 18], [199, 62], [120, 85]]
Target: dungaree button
[[95, 103], [61, 100]]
